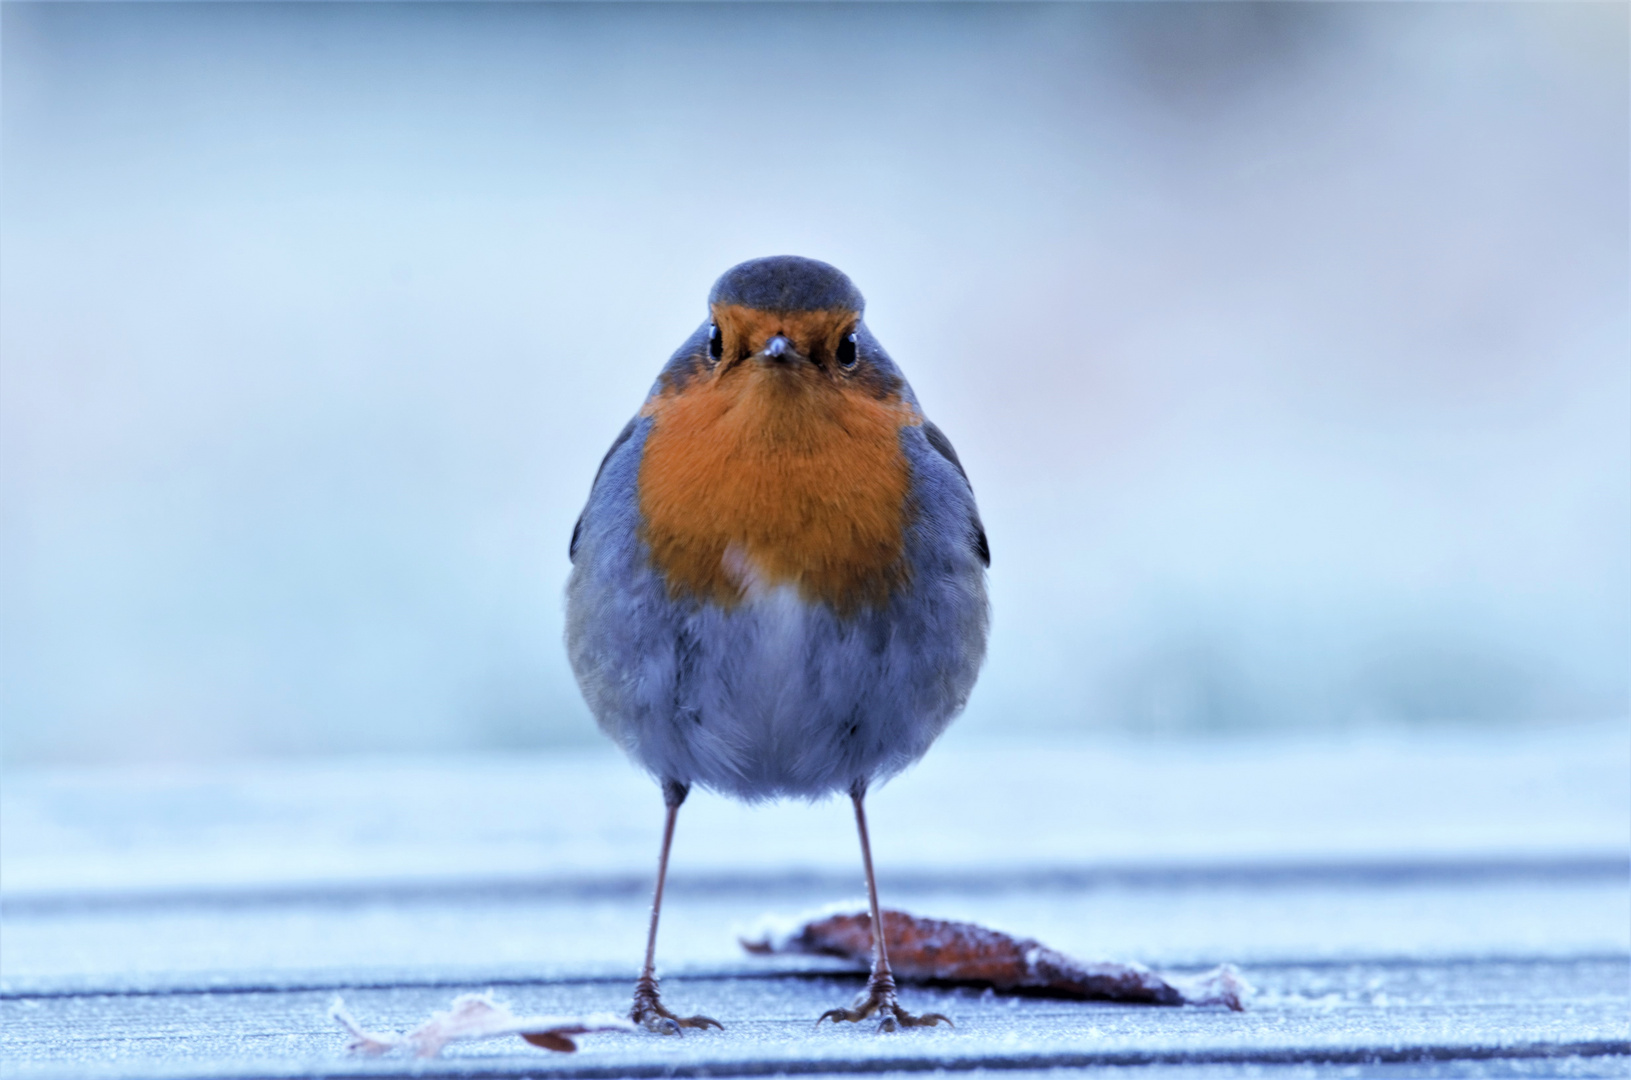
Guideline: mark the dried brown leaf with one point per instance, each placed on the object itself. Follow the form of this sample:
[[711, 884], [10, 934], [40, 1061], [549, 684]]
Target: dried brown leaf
[[959, 952]]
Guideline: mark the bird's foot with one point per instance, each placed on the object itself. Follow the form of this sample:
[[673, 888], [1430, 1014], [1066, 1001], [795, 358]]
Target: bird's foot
[[649, 1013], [879, 998]]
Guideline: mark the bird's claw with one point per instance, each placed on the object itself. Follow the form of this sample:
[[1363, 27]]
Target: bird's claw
[[648, 1011], [879, 997]]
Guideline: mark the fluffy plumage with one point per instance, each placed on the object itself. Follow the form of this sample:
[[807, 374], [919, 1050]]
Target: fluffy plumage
[[778, 582]]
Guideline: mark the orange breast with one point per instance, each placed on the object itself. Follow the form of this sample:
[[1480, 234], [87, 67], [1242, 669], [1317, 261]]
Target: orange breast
[[754, 475]]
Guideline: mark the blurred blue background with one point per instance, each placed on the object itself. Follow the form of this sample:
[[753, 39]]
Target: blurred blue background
[[1286, 346]]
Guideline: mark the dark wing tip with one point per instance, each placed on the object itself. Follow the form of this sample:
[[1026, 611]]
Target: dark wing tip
[[577, 529], [943, 447]]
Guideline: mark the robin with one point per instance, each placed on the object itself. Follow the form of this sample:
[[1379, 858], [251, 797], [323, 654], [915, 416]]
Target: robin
[[778, 583]]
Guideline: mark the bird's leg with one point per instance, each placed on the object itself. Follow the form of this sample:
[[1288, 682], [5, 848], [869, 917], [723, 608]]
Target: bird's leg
[[879, 995], [648, 1010]]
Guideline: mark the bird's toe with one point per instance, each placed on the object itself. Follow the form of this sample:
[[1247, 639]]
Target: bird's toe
[[879, 997], [650, 1013]]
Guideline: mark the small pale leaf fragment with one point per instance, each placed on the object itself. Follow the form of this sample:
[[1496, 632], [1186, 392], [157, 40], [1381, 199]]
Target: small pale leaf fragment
[[476, 1016]]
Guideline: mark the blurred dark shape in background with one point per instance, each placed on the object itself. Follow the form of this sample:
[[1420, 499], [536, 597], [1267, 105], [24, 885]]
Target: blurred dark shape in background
[[1286, 346]]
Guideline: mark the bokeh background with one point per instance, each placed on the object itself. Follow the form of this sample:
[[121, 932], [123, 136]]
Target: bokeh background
[[1286, 347]]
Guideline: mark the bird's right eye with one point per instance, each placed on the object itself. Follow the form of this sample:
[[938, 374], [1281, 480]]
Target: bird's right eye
[[716, 341], [846, 352]]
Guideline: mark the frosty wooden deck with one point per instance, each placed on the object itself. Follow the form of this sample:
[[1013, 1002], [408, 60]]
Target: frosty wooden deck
[[1457, 903]]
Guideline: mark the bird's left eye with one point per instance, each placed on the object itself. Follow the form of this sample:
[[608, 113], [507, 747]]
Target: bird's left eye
[[716, 341], [846, 352]]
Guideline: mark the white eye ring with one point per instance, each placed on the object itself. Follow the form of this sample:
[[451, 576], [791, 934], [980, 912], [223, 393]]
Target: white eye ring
[[853, 358]]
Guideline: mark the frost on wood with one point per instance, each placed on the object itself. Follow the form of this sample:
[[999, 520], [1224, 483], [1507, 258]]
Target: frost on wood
[[476, 1016], [960, 952]]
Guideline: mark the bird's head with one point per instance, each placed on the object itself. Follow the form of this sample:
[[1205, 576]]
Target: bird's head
[[775, 452], [792, 321]]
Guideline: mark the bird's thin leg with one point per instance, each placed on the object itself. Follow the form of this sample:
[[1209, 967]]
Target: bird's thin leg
[[648, 1010], [879, 995]]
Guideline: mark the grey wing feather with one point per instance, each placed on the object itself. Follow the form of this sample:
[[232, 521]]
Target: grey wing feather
[[943, 447], [622, 437]]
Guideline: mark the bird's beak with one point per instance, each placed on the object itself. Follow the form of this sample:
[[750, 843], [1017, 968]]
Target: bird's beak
[[779, 349]]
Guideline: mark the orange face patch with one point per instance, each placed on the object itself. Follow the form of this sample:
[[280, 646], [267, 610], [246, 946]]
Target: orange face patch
[[767, 474], [814, 334]]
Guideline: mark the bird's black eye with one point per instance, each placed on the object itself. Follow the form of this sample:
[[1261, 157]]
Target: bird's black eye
[[846, 352], [716, 341]]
